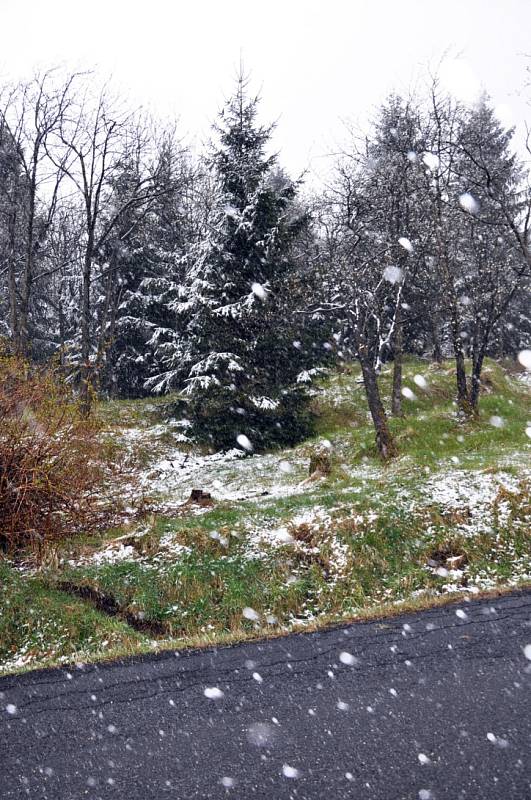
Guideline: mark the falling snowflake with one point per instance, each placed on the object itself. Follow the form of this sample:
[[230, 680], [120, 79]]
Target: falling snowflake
[[431, 161], [408, 393], [250, 613], [290, 772], [348, 658], [468, 203], [406, 244], [244, 442], [420, 381], [261, 734], [259, 291], [393, 274], [213, 693], [11, 709]]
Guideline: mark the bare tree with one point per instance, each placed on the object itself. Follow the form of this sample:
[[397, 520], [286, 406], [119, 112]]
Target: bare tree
[[92, 143], [34, 111]]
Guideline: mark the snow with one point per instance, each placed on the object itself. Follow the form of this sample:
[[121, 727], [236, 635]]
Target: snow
[[469, 203], [244, 442], [213, 693], [290, 772], [406, 244], [259, 291], [393, 274], [420, 381], [348, 658], [229, 475], [524, 357], [475, 492], [261, 734], [431, 161]]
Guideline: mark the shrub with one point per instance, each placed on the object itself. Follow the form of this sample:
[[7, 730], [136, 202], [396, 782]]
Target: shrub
[[50, 465]]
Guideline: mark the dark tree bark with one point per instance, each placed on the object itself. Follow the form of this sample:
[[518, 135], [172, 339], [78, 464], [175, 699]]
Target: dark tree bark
[[384, 439], [396, 393]]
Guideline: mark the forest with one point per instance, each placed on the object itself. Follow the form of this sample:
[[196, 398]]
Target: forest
[[139, 266]]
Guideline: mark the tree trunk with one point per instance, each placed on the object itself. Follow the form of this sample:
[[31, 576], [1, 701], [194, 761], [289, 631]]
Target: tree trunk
[[463, 399], [437, 350], [61, 335], [12, 281], [384, 440], [476, 380], [27, 282], [396, 394], [86, 375]]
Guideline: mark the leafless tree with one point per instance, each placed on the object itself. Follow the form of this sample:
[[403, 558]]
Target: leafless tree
[[91, 145]]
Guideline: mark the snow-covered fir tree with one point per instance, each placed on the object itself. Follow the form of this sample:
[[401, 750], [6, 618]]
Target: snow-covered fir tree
[[142, 270], [235, 356]]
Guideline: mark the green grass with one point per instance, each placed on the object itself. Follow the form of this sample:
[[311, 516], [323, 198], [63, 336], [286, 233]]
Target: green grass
[[380, 536], [40, 625]]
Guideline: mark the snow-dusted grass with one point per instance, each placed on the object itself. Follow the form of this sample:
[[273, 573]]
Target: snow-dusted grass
[[450, 515]]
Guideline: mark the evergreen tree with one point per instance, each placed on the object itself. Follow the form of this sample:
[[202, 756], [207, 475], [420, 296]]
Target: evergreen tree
[[142, 270], [234, 353]]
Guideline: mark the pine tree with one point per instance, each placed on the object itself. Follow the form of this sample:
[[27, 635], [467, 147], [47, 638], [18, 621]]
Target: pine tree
[[142, 272], [235, 354]]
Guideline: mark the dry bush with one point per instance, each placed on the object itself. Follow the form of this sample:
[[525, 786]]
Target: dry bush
[[50, 460]]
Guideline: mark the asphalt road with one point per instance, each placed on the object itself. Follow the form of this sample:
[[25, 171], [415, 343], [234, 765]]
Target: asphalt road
[[428, 706]]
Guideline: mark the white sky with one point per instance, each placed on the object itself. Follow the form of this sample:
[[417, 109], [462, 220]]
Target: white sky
[[316, 62]]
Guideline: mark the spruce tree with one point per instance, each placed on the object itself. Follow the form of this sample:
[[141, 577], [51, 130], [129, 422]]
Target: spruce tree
[[235, 355]]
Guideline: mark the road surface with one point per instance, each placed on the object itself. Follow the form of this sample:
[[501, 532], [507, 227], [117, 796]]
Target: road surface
[[427, 706]]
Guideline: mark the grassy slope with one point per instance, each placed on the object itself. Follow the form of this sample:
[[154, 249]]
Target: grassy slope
[[368, 537]]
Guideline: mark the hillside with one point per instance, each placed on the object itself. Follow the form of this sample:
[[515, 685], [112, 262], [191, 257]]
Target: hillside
[[273, 551]]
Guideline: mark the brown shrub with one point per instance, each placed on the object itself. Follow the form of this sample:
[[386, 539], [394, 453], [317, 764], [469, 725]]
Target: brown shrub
[[50, 467]]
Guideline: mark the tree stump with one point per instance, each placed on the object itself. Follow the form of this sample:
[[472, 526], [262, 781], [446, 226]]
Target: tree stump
[[200, 498], [320, 464]]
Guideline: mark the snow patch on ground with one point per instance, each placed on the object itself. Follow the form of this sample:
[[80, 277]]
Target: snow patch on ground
[[230, 475]]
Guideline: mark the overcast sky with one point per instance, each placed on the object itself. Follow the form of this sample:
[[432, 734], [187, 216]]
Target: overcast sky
[[316, 62]]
